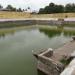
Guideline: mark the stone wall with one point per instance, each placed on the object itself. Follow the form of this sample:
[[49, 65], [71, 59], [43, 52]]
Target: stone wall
[[14, 23], [69, 22], [49, 66], [48, 22]]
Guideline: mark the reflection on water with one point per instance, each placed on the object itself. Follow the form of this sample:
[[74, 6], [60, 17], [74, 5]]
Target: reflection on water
[[57, 32], [4, 33], [49, 32], [16, 48], [69, 33]]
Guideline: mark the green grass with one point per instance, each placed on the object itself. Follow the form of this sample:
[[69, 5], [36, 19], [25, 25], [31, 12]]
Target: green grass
[[65, 61]]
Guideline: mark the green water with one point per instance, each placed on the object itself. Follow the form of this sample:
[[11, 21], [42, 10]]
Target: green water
[[16, 49]]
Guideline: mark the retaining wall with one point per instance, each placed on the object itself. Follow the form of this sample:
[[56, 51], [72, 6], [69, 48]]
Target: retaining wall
[[15, 22]]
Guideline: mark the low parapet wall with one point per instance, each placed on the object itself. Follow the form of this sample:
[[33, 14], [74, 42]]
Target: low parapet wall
[[70, 69], [47, 65], [22, 22], [48, 22], [16, 23]]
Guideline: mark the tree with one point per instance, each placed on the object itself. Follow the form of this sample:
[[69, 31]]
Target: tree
[[73, 7], [41, 11], [28, 7], [70, 8], [51, 4], [47, 10], [61, 8], [19, 10], [52, 8], [1, 6], [14, 9], [58, 9], [11, 8]]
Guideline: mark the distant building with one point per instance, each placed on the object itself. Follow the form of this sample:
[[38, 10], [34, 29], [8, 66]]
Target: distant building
[[3, 9]]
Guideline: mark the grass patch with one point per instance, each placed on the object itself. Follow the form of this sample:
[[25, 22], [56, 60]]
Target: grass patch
[[66, 60]]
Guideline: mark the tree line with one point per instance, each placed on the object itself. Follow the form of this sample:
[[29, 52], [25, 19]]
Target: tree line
[[11, 8], [54, 8]]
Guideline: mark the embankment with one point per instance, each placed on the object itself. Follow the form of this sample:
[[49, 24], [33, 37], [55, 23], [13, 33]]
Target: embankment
[[7, 23]]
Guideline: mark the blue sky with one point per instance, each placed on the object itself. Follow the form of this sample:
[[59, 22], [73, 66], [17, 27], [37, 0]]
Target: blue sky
[[34, 4]]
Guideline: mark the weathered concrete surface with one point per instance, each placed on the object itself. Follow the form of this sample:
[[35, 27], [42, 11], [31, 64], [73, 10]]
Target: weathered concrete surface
[[70, 69], [51, 64], [48, 65], [16, 23], [29, 21], [33, 21], [65, 50], [69, 19]]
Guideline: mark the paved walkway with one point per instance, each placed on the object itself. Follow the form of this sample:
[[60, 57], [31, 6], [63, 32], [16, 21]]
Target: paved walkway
[[65, 50], [15, 19]]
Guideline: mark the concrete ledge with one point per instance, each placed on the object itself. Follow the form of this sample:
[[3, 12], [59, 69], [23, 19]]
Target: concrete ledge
[[33, 21], [70, 70], [47, 65]]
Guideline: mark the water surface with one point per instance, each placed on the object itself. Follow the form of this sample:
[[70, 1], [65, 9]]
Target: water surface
[[16, 48]]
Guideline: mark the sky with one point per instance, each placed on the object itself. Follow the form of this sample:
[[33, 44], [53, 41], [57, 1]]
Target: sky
[[33, 4]]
